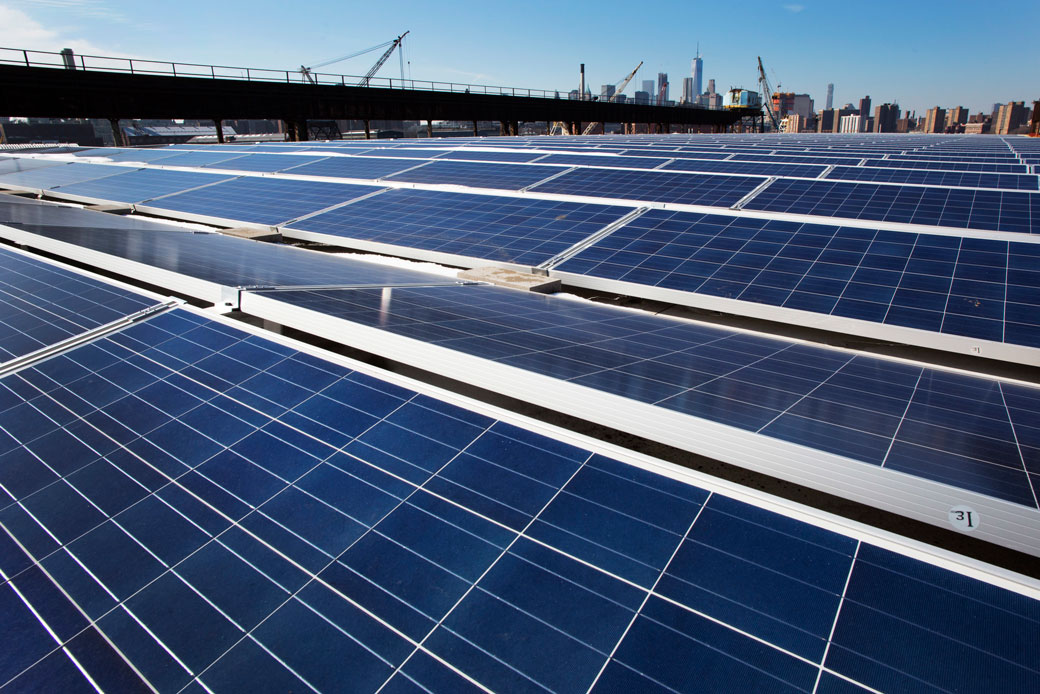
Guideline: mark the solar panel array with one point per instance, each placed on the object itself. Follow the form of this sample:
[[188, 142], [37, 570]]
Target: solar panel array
[[320, 525]]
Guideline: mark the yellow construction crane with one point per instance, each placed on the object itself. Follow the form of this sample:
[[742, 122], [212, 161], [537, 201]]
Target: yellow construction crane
[[308, 75], [617, 92]]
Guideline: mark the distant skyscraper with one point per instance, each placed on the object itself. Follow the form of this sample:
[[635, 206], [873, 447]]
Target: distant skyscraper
[[662, 87], [935, 120], [689, 95], [711, 86], [864, 108], [648, 87], [697, 72], [605, 92], [957, 116], [885, 118], [830, 96]]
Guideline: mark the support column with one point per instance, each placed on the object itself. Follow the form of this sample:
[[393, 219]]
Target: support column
[[117, 133], [476, 131], [429, 128], [503, 127], [368, 129], [220, 130]]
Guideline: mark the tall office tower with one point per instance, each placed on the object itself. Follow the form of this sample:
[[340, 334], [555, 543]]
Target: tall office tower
[[830, 96], [711, 86], [648, 87], [864, 108], [697, 72], [662, 87], [689, 96], [935, 120], [885, 118], [606, 92]]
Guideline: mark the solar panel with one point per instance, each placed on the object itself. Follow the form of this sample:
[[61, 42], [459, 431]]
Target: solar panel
[[950, 207], [203, 263], [516, 230], [42, 304], [144, 155], [478, 175], [883, 413], [963, 179], [137, 185], [355, 167], [980, 288], [53, 176], [685, 188], [466, 155], [320, 526], [603, 160], [17, 211], [821, 159], [261, 200], [948, 166], [13, 164], [265, 162], [750, 168], [202, 158]]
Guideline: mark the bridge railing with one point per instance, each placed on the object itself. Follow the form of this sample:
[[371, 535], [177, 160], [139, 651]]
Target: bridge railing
[[136, 66]]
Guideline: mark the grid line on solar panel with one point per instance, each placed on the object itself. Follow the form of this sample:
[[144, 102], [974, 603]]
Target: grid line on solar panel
[[41, 304], [14, 164], [199, 158], [709, 373], [936, 178], [749, 168], [138, 185], [261, 200], [948, 166], [355, 167], [518, 230], [950, 207], [895, 278], [478, 175], [466, 155], [264, 162], [657, 186], [635, 556], [603, 160]]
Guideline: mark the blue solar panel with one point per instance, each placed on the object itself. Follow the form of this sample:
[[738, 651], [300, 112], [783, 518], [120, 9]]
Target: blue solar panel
[[53, 176], [264, 162], [467, 155], [821, 159], [659, 186], [963, 179], [144, 155], [948, 166], [137, 185], [231, 261], [950, 207], [201, 158], [855, 406], [975, 287], [15, 211], [13, 164], [516, 230], [478, 175], [262, 200], [42, 304], [603, 160], [750, 168], [355, 167], [320, 527]]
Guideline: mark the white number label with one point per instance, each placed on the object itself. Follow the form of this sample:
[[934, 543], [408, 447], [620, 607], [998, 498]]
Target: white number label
[[964, 518]]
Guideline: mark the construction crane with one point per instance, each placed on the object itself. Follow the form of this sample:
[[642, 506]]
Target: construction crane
[[308, 72], [767, 94], [618, 89]]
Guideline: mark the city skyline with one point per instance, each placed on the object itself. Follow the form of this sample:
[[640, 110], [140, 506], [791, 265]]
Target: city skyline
[[804, 47]]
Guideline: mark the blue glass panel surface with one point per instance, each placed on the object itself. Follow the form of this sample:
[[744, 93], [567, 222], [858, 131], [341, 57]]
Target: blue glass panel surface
[[518, 230], [264, 162], [54, 176], [140, 185], [687, 188], [354, 167], [958, 179], [478, 175]]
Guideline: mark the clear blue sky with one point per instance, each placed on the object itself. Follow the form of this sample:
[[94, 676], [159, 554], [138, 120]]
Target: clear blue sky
[[921, 53]]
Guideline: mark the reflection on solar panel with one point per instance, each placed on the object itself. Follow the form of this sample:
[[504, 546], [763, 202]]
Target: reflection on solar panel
[[689, 189], [750, 168], [215, 259], [898, 416], [355, 167], [136, 185], [264, 162], [217, 483], [477, 175], [466, 155], [53, 176], [949, 207], [12, 164], [515, 230], [15, 211], [261, 200], [42, 303], [981, 288], [964, 179], [793, 159], [147, 155], [200, 158]]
